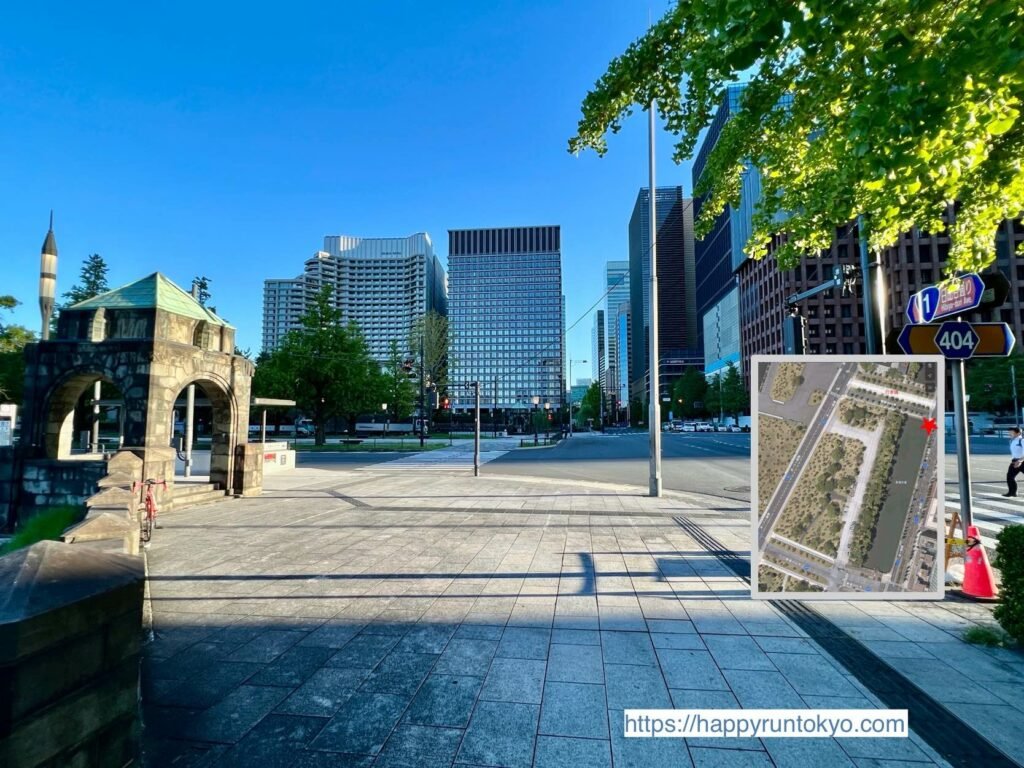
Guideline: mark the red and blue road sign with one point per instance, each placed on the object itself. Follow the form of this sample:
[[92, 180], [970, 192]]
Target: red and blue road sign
[[932, 303]]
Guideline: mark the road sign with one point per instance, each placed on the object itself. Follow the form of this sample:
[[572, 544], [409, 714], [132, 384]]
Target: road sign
[[994, 340], [997, 289], [956, 340], [933, 303]]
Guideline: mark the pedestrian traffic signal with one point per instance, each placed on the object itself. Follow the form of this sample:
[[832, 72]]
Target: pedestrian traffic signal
[[444, 403]]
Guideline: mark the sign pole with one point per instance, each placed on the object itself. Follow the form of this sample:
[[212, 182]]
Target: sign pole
[[476, 430], [962, 444], [654, 412]]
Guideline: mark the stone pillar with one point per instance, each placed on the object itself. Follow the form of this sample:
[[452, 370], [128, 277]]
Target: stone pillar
[[70, 637]]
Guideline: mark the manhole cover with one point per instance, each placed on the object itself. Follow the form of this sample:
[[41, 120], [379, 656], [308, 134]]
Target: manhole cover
[[738, 489]]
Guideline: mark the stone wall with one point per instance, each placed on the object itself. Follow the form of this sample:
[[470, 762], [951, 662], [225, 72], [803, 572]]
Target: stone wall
[[48, 483], [8, 487], [70, 634]]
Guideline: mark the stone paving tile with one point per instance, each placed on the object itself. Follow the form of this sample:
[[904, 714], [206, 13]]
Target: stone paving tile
[[445, 700], [363, 651], [574, 709], [673, 626], [807, 753], [332, 635], [524, 643], [363, 724], [1002, 725], [786, 645], [576, 637], [736, 652], [635, 687], [479, 631], [267, 646], [762, 689], [293, 667], [703, 757], [466, 656], [324, 692], [515, 680], [691, 669], [208, 688], [331, 760], [426, 638], [645, 752], [813, 675], [399, 673], [683, 641], [562, 752], [273, 742], [230, 719], [627, 648], [416, 746], [694, 699], [501, 734], [575, 664]]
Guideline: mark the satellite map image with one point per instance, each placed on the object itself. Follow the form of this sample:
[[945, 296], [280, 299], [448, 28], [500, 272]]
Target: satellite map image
[[846, 476]]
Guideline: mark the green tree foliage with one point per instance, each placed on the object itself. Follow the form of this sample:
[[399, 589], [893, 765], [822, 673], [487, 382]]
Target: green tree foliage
[[434, 330], [1010, 562], [735, 398], [687, 390], [203, 284], [398, 390], [897, 108], [590, 405], [92, 280], [989, 383], [322, 365], [13, 339]]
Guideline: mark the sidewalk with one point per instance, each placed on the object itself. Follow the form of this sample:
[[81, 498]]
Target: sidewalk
[[352, 618]]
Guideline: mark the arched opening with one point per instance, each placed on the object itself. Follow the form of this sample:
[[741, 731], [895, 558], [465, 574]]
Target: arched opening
[[204, 443], [85, 417]]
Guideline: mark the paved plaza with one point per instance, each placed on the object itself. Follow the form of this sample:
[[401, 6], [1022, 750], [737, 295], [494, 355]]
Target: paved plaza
[[411, 618]]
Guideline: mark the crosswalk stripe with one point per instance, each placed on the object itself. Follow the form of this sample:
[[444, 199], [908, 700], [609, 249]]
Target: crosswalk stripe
[[991, 515]]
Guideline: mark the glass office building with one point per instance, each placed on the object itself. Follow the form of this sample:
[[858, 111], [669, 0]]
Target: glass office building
[[617, 285], [506, 317]]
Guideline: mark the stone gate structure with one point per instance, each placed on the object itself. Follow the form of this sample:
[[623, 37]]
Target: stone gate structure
[[150, 339]]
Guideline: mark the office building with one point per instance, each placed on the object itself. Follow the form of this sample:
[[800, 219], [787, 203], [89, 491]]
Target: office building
[[506, 316], [598, 361], [677, 318], [623, 329], [617, 286], [383, 285]]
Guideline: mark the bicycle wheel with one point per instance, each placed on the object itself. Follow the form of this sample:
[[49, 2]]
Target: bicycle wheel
[[146, 528]]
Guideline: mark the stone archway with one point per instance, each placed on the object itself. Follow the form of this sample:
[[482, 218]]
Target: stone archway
[[56, 435], [223, 432]]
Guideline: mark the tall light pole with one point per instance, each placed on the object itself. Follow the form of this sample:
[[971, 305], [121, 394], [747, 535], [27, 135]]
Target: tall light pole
[[570, 392], [654, 415], [47, 279], [536, 402]]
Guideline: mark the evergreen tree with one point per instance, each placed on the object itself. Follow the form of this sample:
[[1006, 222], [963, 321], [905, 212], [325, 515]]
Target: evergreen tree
[[92, 281]]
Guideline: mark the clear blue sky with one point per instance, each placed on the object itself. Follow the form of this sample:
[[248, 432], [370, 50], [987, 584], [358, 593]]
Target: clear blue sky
[[193, 139]]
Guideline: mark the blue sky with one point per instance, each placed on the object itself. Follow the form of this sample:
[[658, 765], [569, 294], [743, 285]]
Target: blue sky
[[227, 141]]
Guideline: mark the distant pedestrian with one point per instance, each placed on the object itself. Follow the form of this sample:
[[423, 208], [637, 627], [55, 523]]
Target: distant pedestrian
[[1016, 462]]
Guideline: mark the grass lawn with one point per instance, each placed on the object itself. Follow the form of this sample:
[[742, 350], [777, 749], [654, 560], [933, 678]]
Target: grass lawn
[[369, 446], [48, 524]]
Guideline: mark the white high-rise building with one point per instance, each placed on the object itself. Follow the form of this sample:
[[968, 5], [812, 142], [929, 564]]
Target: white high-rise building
[[617, 283], [382, 284]]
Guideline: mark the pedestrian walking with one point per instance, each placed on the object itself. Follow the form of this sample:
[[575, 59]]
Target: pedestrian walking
[[1016, 462]]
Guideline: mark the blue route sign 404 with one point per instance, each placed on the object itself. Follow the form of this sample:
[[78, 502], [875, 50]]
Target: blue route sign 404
[[957, 340], [933, 303]]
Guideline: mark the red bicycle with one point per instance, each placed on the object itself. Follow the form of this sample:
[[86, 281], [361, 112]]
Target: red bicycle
[[148, 522]]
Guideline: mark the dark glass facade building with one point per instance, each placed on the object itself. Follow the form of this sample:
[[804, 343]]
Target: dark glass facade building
[[506, 316], [677, 317]]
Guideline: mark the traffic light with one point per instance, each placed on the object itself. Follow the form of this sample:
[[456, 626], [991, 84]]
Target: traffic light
[[444, 402]]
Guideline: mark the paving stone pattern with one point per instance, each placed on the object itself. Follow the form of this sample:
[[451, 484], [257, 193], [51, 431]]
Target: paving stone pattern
[[509, 626]]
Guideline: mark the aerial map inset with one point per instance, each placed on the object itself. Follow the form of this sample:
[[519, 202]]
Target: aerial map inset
[[847, 476]]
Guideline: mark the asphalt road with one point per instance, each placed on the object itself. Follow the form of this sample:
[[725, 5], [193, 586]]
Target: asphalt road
[[712, 463]]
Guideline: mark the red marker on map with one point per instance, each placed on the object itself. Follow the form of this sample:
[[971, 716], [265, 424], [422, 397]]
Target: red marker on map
[[928, 425]]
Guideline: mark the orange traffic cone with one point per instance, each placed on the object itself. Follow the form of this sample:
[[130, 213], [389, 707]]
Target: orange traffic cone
[[978, 578]]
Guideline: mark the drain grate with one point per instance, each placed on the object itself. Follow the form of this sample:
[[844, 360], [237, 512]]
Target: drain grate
[[947, 734]]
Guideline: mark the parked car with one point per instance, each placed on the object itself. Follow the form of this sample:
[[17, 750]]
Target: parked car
[[704, 426], [737, 428], [689, 426], [721, 427]]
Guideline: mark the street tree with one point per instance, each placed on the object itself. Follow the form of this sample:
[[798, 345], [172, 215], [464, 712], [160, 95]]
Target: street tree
[[687, 390], [735, 398], [397, 386], [434, 331], [885, 109], [590, 405], [714, 400], [13, 339], [92, 280], [990, 383], [324, 366]]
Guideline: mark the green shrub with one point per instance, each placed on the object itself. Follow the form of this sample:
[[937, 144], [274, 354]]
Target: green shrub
[[987, 636], [1009, 560], [48, 524]]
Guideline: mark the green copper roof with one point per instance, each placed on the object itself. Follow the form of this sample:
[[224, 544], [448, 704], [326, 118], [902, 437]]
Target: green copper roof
[[153, 292]]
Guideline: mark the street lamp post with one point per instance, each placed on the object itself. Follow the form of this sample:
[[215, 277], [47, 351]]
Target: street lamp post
[[387, 420], [536, 402], [547, 420]]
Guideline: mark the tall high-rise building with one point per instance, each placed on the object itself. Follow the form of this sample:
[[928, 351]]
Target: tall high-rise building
[[507, 316], [677, 317], [384, 285], [623, 329], [598, 361], [617, 285]]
